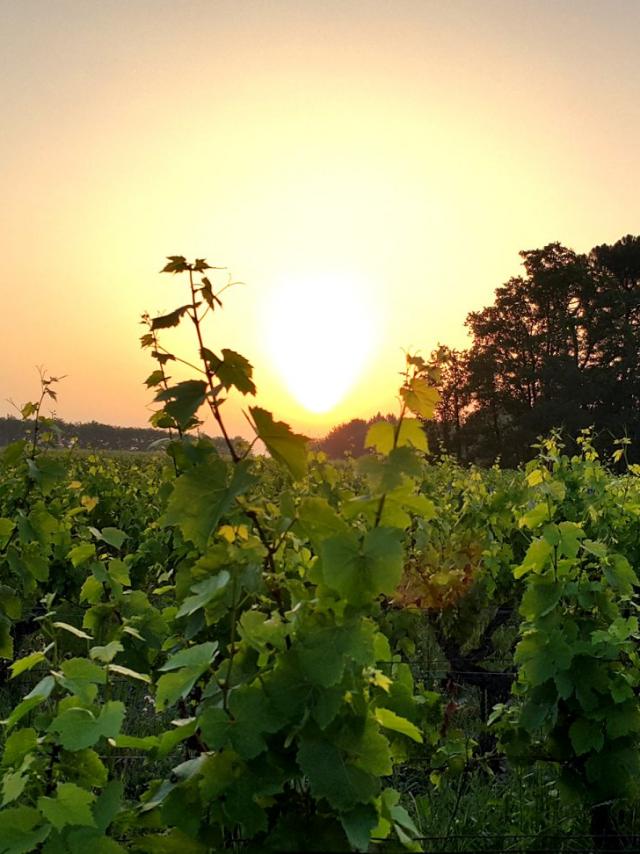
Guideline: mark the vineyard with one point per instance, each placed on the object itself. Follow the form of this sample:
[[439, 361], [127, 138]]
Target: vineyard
[[209, 647]]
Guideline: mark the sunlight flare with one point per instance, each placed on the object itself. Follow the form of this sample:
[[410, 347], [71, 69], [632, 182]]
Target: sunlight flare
[[320, 331]]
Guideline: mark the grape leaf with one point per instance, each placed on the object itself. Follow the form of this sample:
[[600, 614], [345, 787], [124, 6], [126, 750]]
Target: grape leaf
[[360, 571], [332, 777], [390, 720], [183, 400], [420, 397], [233, 370], [78, 728], [71, 805], [201, 496], [586, 736], [201, 655], [19, 831], [285, 446], [166, 321]]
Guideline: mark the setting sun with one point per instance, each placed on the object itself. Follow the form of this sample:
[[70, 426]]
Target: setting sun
[[319, 331]]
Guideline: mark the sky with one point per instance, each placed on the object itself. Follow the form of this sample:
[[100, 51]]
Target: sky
[[369, 170]]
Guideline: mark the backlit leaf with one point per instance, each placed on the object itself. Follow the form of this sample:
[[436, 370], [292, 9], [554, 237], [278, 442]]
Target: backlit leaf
[[420, 397], [183, 400], [285, 446], [166, 321], [202, 495]]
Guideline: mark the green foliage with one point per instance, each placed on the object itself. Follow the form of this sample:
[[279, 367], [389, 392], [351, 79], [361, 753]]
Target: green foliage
[[246, 597], [237, 623], [578, 665]]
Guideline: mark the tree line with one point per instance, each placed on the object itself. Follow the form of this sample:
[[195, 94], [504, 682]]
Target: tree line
[[90, 436]]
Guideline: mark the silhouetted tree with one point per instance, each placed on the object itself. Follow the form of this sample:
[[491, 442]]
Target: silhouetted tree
[[559, 347]]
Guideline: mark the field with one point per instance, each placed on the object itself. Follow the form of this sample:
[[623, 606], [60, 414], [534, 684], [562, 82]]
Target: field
[[209, 648], [227, 655]]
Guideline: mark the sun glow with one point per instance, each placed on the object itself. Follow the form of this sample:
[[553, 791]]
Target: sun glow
[[320, 331]]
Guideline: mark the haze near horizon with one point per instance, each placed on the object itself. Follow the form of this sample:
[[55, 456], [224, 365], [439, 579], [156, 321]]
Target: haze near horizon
[[368, 170]]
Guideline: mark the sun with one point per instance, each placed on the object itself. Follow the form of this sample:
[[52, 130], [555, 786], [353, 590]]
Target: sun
[[320, 332]]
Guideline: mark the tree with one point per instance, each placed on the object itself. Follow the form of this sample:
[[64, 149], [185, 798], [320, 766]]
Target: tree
[[559, 347]]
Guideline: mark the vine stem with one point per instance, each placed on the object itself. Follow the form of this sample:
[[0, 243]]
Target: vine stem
[[165, 386], [36, 423], [232, 651], [213, 395], [236, 459], [396, 436]]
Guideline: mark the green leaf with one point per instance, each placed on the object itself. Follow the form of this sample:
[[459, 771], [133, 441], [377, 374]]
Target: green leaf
[[358, 824], [389, 720], [623, 719], [83, 767], [34, 698], [586, 735], [73, 630], [412, 433], [176, 685], [332, 777], [177, 264], [362, 571], [14, 783], [19, 830], [166, 321], [6, 641], [82, 553], [17, 745], [71, 806], [319, 521], [420, 397], [203, 593], [324, 652], [570, 535], [285, 446], [79, 728], [595, 548], [202, 655], [118, 573], [12, 454], [91, 590], [540, 514], [6, 529], [106, 653], [261, 631], [183, 400], [131, 674], [250, 716], [108, 805], [137, 742], [233, 370], [201, 496], [367, 747], [536, 558], [620, 574], [155, 378], [113, 537], [26, 663], [540, 598], [380, 436], [46, 472], [81, 676]]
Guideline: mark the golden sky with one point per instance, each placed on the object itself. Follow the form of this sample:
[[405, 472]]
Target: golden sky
[[390, 158]]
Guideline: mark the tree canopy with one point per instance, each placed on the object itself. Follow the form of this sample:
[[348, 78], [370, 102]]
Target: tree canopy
[[559, 347]]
